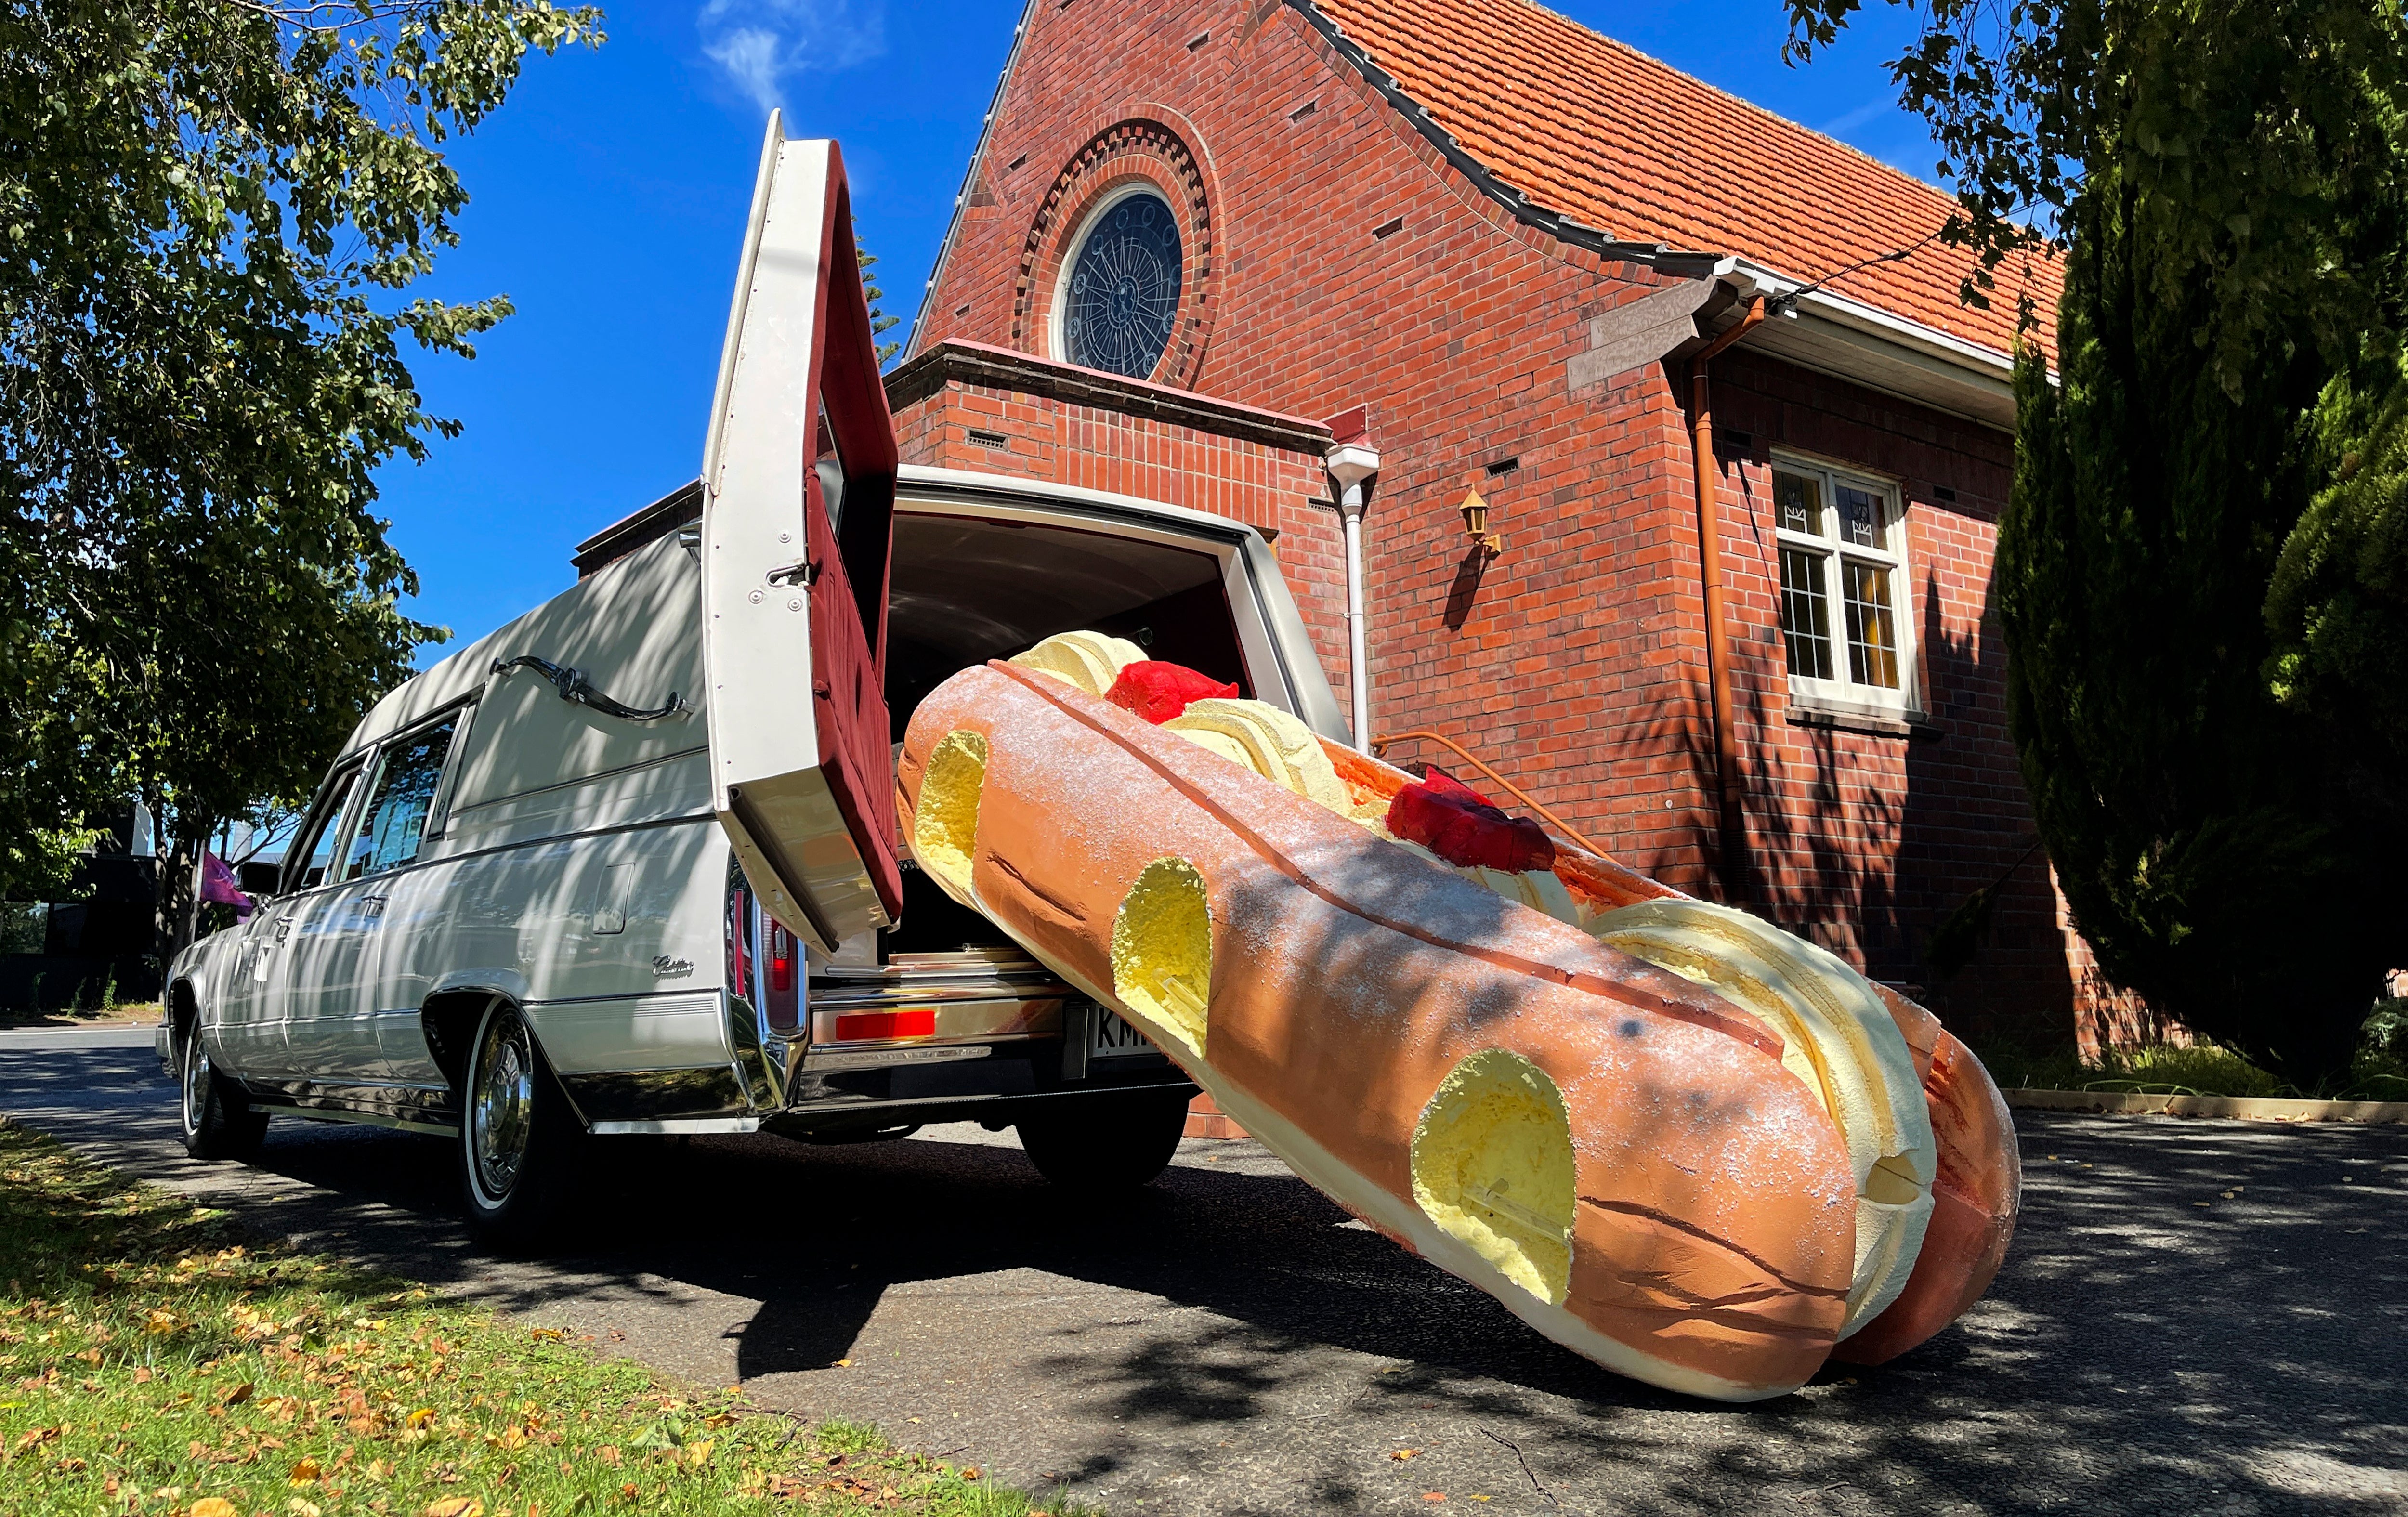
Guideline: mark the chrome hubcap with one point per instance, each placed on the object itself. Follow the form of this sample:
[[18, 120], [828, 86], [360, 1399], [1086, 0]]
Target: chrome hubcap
[[196, 1081], [501, 1104]]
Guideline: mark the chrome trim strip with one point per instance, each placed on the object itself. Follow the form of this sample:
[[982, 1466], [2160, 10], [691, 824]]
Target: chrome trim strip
[[895, 1058], [837, 1107], [711, 996], [374, 1118], [678, 1125]]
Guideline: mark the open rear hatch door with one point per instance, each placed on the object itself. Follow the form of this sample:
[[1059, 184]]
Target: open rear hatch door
[[797, 527]]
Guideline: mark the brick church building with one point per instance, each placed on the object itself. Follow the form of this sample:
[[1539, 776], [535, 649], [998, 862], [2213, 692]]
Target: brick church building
[[1196, 235]]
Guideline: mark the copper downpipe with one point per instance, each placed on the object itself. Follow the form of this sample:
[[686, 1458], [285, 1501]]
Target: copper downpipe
[[1733, 854]]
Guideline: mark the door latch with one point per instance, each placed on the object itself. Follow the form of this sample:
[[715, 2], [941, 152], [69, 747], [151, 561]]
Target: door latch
[[793, 574]]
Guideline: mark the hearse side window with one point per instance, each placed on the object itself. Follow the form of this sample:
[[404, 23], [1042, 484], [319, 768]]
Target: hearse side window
[[318, 848], [408, 772]]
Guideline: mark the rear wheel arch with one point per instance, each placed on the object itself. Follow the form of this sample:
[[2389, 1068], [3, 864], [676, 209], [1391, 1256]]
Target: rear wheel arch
[[449, 1021], [183, 1010]]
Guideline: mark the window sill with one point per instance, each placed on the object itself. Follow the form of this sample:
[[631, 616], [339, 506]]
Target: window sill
[[1833, 716]]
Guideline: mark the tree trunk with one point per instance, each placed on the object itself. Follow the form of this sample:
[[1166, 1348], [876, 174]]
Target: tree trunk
[[176, 916]]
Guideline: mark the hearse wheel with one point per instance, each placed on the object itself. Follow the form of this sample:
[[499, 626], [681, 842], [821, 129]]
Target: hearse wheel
[[1100, 1144], [218, 1121], [520, 1147]]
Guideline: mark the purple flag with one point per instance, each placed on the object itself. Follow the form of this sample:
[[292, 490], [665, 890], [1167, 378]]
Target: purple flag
[[218, 887]]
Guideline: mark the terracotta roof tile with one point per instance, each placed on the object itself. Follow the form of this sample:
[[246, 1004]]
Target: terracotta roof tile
[[1589, 127]]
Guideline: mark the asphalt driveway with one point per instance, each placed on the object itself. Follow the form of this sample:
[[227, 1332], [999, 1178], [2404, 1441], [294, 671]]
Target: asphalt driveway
[[1229, 1342]]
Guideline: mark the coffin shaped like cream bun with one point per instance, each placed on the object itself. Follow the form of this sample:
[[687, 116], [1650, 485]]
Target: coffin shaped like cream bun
[[1616, 1154]]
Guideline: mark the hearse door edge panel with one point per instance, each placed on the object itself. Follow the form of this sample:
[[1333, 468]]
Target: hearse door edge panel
[[797, 527]]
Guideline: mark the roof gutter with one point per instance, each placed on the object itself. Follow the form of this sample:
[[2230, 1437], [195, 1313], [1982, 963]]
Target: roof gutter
[[970, 179], [1656, 255], [1786, 294]]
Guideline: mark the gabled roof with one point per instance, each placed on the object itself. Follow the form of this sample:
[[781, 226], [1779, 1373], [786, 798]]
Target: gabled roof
[[1589, 128]]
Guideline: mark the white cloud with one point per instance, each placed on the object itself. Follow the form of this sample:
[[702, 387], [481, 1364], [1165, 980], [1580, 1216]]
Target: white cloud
[[1842, 127], [758, 43]]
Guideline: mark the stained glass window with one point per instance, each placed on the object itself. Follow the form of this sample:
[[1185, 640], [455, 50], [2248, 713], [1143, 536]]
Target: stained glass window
[[1121, 298]]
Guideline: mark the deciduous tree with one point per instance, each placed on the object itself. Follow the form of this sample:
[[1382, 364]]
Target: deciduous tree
[[210, 211]]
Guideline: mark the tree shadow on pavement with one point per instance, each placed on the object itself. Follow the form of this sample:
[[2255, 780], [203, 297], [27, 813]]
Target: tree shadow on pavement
[[2196, 1316]]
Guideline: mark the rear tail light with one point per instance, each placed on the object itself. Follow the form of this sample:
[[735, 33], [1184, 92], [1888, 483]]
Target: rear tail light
[[764, 965], [781, 958]]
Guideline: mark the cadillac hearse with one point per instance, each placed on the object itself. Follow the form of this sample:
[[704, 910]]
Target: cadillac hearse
[[631, 864]]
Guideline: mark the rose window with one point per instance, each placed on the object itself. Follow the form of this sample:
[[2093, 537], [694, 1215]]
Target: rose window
[[1122, 298]]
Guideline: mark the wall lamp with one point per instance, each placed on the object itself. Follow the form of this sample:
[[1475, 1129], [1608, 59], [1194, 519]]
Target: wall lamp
[[1475, 525]]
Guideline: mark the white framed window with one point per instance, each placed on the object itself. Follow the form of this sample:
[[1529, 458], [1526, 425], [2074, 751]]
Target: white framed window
[[1844, 619]]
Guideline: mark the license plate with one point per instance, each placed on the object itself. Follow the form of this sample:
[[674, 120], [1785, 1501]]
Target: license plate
[[1115, 1038]]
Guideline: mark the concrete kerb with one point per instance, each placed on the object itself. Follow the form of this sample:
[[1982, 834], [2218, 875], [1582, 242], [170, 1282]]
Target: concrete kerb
[[2248, 1108]]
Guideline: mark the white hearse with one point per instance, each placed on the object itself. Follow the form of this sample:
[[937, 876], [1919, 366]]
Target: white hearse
[[632, 864]]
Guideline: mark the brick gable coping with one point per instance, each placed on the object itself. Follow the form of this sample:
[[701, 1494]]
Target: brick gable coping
[[977, 363]]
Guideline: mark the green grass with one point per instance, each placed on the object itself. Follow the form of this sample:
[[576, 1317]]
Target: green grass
[[151, 1362], [2380, 1072]]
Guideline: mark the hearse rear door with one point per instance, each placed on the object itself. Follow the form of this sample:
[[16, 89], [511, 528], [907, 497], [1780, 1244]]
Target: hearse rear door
[[797, 528]]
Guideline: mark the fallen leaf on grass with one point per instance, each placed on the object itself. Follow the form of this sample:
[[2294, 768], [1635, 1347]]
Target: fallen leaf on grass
[[240, 1394], [214, 1506], [300, 1508], [422, 1417], [455, 1506], [698, 1452], [971, 1472], [546, 1335], [305, 1472], [608, 1454]]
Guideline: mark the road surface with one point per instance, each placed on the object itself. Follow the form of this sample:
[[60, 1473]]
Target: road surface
[[1229, 1342]]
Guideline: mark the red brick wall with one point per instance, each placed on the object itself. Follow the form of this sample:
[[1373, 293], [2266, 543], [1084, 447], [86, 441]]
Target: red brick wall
[[1865, 839], [1257, 484], [1574, 661]]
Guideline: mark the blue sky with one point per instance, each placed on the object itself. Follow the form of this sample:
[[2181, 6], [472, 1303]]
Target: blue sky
[[608, 195]]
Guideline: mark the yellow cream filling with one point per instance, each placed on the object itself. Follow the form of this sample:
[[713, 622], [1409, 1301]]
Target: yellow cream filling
[[1162, 950], [1492, 1167], [1089, 660], [944, 825]]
